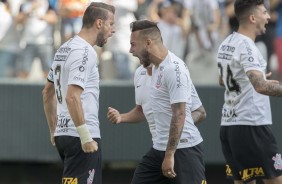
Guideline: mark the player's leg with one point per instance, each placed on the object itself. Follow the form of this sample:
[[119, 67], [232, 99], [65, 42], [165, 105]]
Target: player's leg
[[149, 170], [256, 153], [277, 180], [241, 182], [189, 166], [79, 167]]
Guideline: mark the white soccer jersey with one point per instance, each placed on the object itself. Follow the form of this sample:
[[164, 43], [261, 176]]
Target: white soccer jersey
[[243, 105], [75, 63], [171, 84], [142, 83]]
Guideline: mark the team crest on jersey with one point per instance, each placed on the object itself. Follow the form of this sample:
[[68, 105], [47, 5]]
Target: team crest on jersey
[[161, 68], [159, 81], [277, 161], [91, 176]]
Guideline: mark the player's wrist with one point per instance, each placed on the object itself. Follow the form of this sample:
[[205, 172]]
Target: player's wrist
[[84, 134]]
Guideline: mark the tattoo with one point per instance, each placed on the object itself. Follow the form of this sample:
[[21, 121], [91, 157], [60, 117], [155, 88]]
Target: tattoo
[[176, 126], [266, 87]]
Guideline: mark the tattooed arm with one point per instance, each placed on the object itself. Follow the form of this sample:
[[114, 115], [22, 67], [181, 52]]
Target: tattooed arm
[[265, 87], [176, 126], [199, 114]]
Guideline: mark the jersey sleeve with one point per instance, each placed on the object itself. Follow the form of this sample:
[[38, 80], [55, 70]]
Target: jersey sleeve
[[79, 69], [249, 58], [50, 76], [178, 83], [196, 101], [136, 76]]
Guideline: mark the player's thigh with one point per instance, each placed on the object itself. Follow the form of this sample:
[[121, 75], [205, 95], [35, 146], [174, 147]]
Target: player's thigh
[[189, 165], [79, 166], [149, 170], [255, 151], [232, 171]]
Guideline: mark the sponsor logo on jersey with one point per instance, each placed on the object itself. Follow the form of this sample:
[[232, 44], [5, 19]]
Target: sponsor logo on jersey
[[227, 48], [251, 59], [277, 161], [81, 68], [78, 79], [91, 176], [143, 73], [60, 57], [183, 140], [85, 56], [228, 113], [251, 173], [178, 73], [64, 50], [224, 56], [62, 124], [70, 181]]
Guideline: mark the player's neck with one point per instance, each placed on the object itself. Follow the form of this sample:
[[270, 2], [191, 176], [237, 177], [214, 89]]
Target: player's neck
[[88, 36], [247, 31], [159, 55]]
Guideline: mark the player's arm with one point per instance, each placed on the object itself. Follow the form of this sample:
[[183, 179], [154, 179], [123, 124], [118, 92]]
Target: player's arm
[[263, 86], [199, 114], [176, 127], [220, 81], [135, 115], [49, 105], [76, 112], [220, 78]]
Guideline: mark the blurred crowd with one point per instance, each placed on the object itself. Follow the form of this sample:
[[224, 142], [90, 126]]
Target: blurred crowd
[[31, 31]]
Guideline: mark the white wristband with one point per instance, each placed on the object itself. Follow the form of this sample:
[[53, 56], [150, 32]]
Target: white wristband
[[84, 134]]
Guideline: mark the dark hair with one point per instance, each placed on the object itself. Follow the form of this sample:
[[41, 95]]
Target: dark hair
[[243, 8], [96, 11], [147, 29]]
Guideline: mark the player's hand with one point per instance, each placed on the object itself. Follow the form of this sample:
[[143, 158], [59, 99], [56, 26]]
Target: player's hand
[[273, 81], [90, 147], [268, 75], [113, 115], [168, 167]]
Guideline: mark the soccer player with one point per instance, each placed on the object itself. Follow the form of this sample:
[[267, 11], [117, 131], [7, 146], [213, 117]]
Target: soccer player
[[177, 154], [74, 82], [143, 110], [248, 145]]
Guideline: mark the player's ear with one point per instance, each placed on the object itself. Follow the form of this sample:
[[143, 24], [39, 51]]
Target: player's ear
[[148, 42], [99, 23], [252, 18]]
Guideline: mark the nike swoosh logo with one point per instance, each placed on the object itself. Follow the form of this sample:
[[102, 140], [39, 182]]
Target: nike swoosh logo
[[138, 86]]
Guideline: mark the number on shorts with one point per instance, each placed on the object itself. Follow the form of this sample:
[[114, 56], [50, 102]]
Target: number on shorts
[[58, 89]]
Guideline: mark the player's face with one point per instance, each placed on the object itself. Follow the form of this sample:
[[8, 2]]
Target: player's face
[[262, 18], [107, 30], [138, 49]]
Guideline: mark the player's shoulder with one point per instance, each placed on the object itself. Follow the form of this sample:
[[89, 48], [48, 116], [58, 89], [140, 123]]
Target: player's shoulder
[[140, 71]]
